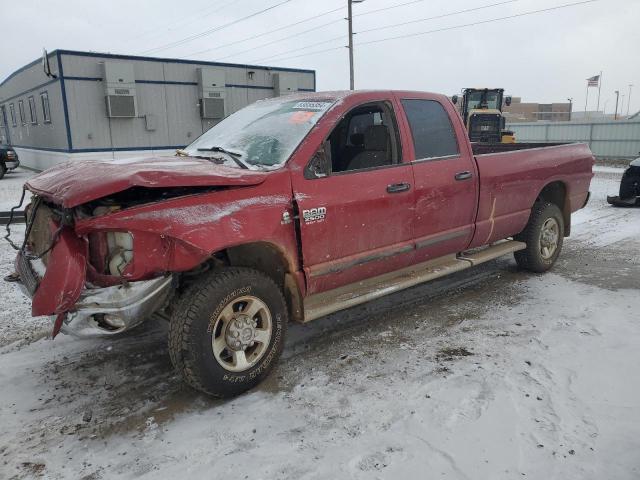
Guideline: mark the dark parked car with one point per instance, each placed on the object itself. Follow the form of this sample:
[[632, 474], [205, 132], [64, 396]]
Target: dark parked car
[[629, 187], [8, 159]]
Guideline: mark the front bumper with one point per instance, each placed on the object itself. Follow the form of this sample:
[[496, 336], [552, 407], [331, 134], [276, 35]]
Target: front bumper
[[112, 310], [102, 311]]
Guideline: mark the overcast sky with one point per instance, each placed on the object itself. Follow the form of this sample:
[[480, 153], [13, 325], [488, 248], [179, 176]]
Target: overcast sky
[[543, 57]]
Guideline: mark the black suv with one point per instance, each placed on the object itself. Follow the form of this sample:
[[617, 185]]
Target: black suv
[[8, 159]]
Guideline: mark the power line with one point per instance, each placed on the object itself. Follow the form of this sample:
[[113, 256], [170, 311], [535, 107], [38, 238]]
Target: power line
[[388, 8], [298, 23], [197, 14], [532, 12], [320, 26], [418, 20], [216, 29], [341, 37], [282, 39], [388, 26], [454, 27], [284, 27]]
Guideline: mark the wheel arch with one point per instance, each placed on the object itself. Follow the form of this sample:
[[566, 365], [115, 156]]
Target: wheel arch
[[273, 261], [556, 192]]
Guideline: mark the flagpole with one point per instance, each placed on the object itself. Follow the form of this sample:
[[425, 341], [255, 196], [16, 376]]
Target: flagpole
[[599, 87], [586, 100]]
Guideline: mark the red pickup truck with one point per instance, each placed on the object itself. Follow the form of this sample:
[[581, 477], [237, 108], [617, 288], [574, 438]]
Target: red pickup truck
[[290, 209]]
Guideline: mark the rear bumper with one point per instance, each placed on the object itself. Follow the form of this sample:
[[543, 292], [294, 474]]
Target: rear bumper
[[12, 164]]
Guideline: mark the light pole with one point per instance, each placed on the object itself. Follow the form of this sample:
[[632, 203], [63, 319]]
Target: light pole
[[629, 99], [570, 106], [615, 116], [350, 47]]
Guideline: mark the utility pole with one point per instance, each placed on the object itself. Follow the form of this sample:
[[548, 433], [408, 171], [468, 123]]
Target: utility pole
[[615, 116], [622, 106], [350, 47], [570, 106], [629, 99]]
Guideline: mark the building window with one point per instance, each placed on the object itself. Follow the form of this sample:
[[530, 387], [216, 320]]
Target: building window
[[23, 117], [3, 113], [12, 111], [32, 111], [46, 114]]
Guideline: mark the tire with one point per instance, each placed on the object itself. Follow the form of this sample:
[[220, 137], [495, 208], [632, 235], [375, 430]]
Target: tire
[[3, 170], [543, 246], [630, 187], [208, 330]]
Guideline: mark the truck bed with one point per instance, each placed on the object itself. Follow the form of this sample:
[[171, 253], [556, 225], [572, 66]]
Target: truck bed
[[513, 175]]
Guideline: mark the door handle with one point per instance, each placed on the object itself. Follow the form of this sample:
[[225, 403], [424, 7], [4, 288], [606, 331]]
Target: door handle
[[463, 176], [398, 187]]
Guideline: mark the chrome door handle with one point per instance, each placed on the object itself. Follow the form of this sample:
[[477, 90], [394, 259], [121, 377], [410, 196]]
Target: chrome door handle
[[398, 187], [463, 176]]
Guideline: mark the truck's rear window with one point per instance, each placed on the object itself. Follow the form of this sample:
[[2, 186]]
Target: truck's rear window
[[431, 128]]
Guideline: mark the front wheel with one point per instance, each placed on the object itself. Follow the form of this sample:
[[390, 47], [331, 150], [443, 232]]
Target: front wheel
[[227, 331], [543, 235], [3, 170]]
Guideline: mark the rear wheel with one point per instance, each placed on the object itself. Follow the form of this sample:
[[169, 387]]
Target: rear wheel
[[227, 331], [630, 187], [543, 235]]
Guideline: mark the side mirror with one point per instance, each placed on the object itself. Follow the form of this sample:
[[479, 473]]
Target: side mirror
[[454, 99], [320, 164], [507, 101]]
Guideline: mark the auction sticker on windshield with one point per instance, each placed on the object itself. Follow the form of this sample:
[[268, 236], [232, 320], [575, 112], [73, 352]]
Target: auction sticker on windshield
[[312, 106]]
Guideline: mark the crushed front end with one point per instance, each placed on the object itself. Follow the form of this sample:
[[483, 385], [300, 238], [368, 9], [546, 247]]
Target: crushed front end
[[54, 267]]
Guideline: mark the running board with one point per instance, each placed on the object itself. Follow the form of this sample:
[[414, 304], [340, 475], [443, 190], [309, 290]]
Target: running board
[[325, 303]]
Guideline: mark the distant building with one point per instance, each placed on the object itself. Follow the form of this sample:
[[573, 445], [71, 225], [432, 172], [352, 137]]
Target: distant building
[[97, 104], [520, 111]]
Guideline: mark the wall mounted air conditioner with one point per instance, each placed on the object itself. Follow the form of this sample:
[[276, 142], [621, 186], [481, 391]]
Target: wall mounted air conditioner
[[211, 90], [284, 84], [120, 90]]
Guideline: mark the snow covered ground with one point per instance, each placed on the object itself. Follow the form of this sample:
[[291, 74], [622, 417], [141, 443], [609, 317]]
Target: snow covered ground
[[11, 187], [491, 373]]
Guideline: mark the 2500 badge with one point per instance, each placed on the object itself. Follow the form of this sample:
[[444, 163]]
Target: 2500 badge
[[313, 215]]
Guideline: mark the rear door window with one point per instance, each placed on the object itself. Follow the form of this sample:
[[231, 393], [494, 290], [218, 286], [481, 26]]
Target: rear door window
[[431, 129]]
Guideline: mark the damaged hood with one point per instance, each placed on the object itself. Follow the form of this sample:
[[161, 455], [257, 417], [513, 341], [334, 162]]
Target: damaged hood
[[76, 182]]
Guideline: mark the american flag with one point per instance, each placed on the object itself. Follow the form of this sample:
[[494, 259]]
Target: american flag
[[593, 81]]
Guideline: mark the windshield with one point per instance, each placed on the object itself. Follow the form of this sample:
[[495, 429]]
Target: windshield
[[262, 135], [476, 97]]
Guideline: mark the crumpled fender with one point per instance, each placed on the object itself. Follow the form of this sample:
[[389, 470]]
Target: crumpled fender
[[63, 281]]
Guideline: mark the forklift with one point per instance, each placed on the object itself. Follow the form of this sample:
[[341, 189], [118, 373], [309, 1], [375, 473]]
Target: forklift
[[481, 111]]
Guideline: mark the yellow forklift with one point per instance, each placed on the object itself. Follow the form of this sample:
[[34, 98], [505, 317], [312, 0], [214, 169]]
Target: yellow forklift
[[481, 111]]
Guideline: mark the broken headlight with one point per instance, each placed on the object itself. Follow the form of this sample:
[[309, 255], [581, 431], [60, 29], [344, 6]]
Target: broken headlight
[[119, 252]]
